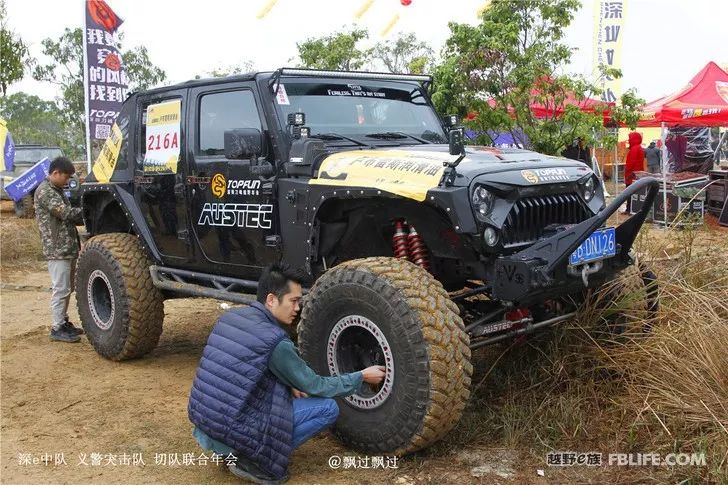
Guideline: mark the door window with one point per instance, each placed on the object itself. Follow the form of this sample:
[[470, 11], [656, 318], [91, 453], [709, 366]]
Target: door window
[[220, 112]]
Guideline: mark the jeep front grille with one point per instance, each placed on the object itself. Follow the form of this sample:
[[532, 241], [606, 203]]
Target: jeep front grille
[[530, 215]]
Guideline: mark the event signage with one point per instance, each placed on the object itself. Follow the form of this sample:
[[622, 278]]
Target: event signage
[[608, 33], [7, 161], [24, 184], [106, 81], [162, 137]]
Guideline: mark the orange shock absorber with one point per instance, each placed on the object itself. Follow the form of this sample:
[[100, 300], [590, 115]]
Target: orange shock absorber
[[399, 240], [417, 249]]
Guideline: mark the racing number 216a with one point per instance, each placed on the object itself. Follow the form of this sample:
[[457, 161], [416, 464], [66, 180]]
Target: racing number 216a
[[159, 142]]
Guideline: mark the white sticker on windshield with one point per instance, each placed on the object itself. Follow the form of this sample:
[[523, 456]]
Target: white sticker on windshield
[[281, 95]]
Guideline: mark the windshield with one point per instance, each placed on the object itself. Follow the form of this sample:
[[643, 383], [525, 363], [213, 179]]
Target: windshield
[[357, 109], [29, 156]]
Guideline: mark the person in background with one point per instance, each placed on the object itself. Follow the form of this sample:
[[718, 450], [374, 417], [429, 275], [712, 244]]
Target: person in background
[[250, 396], [578, 151], [57, 226], [652, 154], [635, 161]]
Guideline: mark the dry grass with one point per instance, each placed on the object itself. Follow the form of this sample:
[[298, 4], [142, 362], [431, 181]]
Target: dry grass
[[580, 388], [19, 240]]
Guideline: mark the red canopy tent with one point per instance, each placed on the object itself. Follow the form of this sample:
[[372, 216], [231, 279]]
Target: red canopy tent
[[703, 102], [550, 110]]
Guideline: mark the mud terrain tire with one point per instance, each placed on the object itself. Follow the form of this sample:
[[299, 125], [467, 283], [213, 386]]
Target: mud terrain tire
[[121, 310], [419, 330]]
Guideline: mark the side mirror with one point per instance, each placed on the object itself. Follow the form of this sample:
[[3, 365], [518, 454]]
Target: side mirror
[[243, 143], [455, 138]]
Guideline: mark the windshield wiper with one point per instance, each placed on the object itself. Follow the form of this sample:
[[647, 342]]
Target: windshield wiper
[[395, 135], [336, 136]]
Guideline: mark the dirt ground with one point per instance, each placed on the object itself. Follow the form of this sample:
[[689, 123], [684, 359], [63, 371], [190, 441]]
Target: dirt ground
[[64, 399], [96, 418]]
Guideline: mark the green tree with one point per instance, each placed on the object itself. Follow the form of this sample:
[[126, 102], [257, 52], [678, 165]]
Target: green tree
[[337, 51], [241, 68], [14, 54], [405, 54], [510, 61], [31, 119], [66, 71]]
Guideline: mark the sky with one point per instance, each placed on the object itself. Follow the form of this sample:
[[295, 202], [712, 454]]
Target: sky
[[665, 41]]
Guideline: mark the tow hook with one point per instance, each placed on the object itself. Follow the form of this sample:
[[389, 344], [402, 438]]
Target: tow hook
[[585, 270]]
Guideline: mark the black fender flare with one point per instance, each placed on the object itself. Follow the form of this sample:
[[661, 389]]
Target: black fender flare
[[122, 195]]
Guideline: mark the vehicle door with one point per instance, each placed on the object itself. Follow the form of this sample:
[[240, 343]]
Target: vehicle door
[[159, 172], [232, 209]]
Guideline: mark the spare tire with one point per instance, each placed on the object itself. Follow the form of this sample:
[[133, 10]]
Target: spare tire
[[387, 311], [120, 308]]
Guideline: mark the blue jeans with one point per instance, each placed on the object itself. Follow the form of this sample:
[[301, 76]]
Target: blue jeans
[[311, 415]]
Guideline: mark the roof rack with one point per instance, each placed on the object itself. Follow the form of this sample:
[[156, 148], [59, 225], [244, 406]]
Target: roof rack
[[296, 71]]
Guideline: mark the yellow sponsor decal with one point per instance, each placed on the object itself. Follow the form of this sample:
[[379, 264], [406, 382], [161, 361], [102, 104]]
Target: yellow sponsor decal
[[164, 113], [106, 162], [218, 185], [407, 174]]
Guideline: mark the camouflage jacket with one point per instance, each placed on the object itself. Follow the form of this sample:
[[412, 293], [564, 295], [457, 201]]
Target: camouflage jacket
[[56, 222]]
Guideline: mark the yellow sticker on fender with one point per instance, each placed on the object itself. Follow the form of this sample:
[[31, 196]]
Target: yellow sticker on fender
[[405, 173], [106, 162]]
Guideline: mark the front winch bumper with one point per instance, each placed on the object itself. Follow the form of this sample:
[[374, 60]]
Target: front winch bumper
[[542, 271]]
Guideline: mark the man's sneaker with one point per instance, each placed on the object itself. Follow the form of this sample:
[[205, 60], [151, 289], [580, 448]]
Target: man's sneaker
[[253, 474], [64, 335], [71, 328]]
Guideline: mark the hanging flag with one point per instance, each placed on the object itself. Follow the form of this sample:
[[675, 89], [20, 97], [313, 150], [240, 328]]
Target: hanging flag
[[7, 162], [608, 33], [105, 79]]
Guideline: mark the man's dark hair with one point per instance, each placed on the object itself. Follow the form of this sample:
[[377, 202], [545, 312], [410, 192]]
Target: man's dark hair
[[63, 165], [275, 280]]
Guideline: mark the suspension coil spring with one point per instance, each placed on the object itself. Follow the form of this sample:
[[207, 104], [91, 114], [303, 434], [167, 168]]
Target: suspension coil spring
[[417, 249], [399, 240]]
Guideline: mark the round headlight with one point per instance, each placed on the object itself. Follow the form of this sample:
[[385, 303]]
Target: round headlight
[[73, 183], [490, 236], [482, 200], [588, 189]]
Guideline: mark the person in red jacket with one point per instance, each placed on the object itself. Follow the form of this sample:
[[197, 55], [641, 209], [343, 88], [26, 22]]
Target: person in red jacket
[[635, 160]]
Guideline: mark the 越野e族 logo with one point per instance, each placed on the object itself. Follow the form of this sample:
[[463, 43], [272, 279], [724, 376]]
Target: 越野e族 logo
[[218, 185]]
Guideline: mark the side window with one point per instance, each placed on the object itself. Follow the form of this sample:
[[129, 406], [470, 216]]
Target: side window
[[220, 112]]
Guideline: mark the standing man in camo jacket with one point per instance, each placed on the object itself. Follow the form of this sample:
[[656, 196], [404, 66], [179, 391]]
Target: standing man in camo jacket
[[57, 224]]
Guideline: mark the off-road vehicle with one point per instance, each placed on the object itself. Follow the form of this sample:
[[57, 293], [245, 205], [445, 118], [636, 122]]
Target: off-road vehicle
[[419, 249], [27, 155]]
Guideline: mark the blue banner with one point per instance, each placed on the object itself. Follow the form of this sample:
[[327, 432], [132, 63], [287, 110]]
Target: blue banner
[[28, 180]]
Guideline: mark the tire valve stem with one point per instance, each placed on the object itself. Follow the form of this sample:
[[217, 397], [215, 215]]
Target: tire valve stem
[[417, 249], [399, 240]]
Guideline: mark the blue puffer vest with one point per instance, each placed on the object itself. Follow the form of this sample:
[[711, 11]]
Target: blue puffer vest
[[235, 398]]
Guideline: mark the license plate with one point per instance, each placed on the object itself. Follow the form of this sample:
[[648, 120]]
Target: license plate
[[600, 245]]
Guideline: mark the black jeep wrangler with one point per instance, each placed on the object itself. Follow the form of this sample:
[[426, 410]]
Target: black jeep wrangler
[[421, 249]]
